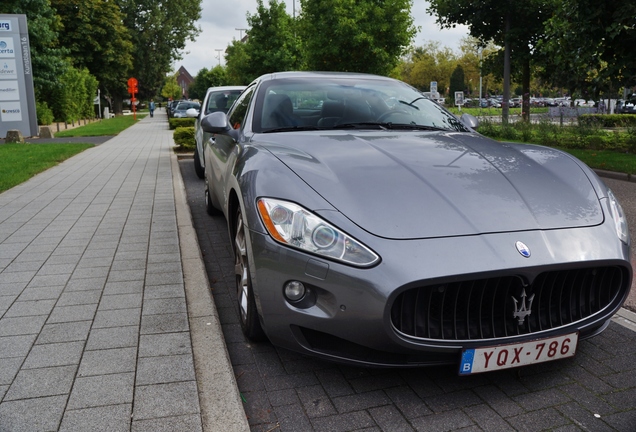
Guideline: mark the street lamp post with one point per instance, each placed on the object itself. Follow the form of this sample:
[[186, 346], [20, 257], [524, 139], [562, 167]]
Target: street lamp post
[[241, 30], [218, 55]]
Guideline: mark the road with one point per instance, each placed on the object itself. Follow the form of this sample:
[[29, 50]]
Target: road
[[284, 391]]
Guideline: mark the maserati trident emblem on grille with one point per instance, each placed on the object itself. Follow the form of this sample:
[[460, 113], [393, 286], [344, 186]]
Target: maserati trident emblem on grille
[[523, 249], [526, 308]]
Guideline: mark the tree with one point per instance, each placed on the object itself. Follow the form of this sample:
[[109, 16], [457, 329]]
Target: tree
[[271, 45], [355, 36], [205, 79], [605, 60], [515, 25], [171, 88], [47, 56], [457, 81], [97, 40], [427, 63], [159, 30]]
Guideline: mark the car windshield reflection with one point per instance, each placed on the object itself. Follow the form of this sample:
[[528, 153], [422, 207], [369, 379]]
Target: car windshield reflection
[[301, 104]]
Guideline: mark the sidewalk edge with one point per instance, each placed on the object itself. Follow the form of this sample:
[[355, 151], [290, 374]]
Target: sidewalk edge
[[219, 397], [626, 318]]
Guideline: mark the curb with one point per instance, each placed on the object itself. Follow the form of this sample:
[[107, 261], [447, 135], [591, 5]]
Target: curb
[[616, 175], [625, 318], [219, 397]]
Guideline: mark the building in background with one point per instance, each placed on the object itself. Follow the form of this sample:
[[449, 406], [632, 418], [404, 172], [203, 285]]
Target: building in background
[[184, 79]]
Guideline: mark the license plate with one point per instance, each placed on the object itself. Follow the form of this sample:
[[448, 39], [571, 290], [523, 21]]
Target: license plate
[[499, 357]]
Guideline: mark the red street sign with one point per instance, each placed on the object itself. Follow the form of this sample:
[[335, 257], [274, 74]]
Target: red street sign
[[132, 82]]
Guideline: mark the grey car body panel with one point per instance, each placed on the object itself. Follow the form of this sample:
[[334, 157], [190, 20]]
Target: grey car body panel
[[416, 178], [200, 136], [450, 210]]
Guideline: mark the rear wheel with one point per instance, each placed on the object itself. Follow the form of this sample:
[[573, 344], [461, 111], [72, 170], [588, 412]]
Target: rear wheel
[[198, 168], [248, 314]]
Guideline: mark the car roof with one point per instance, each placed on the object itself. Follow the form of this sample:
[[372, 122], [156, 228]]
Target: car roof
[[222, 88], [303, 74]]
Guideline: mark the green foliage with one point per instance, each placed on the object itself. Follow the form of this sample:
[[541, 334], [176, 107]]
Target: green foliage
[[271, 45], [47, 56], [184, 138], [44, 113], [608, 120], [74, 98], [457, 81], [205, 79], [159, 30], [97, 40], [355, 36], [175, 123], [171, 88]]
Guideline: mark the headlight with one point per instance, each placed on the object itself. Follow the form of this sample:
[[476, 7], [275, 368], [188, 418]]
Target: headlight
[[616, 211], [292, 225]]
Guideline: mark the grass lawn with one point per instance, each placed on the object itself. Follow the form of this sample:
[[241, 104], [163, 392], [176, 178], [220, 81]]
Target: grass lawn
[[19, 162], [101, 128], [606, 160]]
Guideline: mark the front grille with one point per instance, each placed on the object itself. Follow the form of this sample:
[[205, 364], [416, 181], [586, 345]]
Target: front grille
[[484, 308]]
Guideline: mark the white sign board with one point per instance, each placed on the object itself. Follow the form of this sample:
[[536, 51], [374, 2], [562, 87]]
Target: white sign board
[[459, 98]]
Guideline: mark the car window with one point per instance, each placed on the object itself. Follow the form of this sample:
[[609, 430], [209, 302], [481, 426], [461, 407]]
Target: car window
[[333, 102], [238, 112], [221, 100]]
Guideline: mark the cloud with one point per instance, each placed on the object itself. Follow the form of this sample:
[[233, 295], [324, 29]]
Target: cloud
[[220, 19]]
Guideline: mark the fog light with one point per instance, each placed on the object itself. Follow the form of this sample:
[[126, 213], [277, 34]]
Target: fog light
[[294, 291]]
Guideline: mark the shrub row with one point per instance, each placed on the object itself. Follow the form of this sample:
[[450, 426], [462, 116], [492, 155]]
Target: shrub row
[[587, 135], [181, 122], [608, 120]]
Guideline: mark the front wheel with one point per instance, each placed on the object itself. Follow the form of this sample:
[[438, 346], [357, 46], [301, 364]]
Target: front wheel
[[248, 314], [198, 168]]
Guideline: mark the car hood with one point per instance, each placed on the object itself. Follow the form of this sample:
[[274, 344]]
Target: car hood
[[423, 185]]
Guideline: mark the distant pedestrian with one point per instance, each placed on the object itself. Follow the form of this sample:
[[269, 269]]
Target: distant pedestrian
[[152, 108]]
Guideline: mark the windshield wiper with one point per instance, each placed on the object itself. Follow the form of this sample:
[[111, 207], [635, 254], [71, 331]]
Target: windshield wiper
[[386, 126]]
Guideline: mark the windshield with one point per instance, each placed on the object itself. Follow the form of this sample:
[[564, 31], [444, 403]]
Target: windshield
[[347, 102]]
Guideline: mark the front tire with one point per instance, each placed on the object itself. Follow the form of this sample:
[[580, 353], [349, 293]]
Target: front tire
[[248, 314], [198, 168]]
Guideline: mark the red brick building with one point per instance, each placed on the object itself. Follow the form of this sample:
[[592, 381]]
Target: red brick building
[[184, 79]]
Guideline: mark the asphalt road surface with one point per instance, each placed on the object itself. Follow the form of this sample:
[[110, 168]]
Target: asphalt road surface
[[284, 391]]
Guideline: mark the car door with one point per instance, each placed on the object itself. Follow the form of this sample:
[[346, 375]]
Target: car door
[[223, 147]]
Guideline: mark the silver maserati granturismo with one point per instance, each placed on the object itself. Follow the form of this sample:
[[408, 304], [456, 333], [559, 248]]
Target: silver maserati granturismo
[[372, 226]]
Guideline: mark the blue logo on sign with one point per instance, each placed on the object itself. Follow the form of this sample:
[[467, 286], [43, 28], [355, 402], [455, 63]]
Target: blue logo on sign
[[3, 44]]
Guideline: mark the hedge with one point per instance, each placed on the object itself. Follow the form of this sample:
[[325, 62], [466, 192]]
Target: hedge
[[184, 138], [608, 120], [181, 122]]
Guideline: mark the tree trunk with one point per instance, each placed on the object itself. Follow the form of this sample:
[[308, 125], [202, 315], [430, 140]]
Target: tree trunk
[[525, 104]]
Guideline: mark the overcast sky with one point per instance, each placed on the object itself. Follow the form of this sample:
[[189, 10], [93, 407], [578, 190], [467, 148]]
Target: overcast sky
[[220, 18]]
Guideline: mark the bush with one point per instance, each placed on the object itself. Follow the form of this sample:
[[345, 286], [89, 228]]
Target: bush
[[181, 122], [608, 120], [44, 113], [184, 138]]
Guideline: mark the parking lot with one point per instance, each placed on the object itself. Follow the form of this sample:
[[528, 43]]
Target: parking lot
[[284, 391]]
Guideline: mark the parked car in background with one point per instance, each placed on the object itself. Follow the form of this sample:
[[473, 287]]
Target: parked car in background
[[181, 108], [377, 228], [627, 106], [216, 99]]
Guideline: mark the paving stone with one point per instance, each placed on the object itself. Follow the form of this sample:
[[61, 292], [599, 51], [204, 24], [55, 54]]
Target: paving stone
[[64, 332], [487, 418], [190, 423], [165, 369], [164, 306], [30, 308], [55, 354], [343, 422], [41, 293], [41, 414], [117, 318], [120, 301], [166, 400], [87, 284], [538, 420], [129, 287], [164, 344], [74, 298], [8, 370], [21, 325], [112, 418], [360, 401], [408, 402], [102, 390], [582, 418], [389, 418], [37, 383], [62, 314], [164, 323], [108, 361], [16, 346], [113, 337]]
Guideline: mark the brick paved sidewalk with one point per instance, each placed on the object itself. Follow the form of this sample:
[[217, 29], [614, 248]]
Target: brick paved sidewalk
[[94, 325]]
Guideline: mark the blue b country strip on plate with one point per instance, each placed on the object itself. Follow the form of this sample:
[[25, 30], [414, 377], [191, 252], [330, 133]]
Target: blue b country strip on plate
[[500, 357]]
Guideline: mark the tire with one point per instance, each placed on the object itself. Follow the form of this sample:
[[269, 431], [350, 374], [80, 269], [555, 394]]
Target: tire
[[209, 208], [248, 314], [198, 168]]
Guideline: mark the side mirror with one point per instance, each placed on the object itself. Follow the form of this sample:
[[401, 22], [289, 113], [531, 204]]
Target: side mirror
[[192, 112], [469, 120], [215, 123]]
